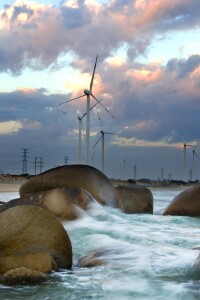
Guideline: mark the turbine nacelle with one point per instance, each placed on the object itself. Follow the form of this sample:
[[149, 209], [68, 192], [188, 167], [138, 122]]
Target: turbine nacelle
[[87, 92]]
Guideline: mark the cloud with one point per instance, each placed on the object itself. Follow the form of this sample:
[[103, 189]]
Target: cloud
[[184, 66], [133, 142], [38, 34], [10, 127]]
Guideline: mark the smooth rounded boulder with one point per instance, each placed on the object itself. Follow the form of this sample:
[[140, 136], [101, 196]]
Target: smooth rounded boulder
[[134, 199], [76, 176], [187, 203], [65, 203], [33, 238]]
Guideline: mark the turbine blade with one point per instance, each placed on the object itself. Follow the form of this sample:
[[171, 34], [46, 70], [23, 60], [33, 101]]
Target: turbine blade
[[102, 106], [83, 115], [95, 104], [71, 100], [196, 155], [64, 112], [90, 109], [97, 142], [111, 133], [92, 79]]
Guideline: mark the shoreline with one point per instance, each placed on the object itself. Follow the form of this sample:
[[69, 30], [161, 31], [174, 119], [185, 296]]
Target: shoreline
[[9, 187], [14, 187]]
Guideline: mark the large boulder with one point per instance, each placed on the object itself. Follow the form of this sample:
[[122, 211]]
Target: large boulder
[[134, 199], [77, 176], [33, 238], [65, 203], [187, 203]]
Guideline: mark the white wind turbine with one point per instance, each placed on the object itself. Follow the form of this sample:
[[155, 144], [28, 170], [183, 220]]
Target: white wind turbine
[[88, 93], [103, 143], [193, 161], [80, 132], [185, 160], [125, 164]]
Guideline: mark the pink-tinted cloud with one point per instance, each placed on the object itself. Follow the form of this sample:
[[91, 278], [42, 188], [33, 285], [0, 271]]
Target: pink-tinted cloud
[[38, 34]]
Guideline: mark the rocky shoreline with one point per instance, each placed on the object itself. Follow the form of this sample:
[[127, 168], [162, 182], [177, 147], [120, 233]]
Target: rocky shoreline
[[12, 183]]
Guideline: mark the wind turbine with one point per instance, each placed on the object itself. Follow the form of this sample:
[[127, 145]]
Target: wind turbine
[[80, 136], [125, 163], [193, 162], [103, 143], [92, 157], [88, 93], [185, 160], [80, 131]]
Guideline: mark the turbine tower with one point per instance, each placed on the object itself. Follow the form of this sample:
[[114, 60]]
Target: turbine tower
[[80, 136], [80, 131], [193, 162], [88, 93], [185, 160], [102, 146]]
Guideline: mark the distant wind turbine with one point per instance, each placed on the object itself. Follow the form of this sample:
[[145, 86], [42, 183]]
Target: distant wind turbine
[[185, 160], [103, 143], [193, 162], [125, 164], [80, 131], [88, 93]]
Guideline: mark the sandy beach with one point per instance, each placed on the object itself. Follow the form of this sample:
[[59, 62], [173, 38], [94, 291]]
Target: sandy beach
[[10, 183], [6, 187]]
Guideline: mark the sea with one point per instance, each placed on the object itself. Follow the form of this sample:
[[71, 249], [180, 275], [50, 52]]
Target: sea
[[147, 256]]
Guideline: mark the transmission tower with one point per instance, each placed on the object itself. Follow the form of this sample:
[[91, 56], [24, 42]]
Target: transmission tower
[[135, 172], [40, 163], [35, 164], [162, 174], [66, 160], [24, 160]]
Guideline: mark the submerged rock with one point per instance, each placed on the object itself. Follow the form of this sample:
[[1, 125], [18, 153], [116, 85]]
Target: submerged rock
[[62, 202], [187, 203], [92, 259], [134, 199], [33, 238], [76, 176]]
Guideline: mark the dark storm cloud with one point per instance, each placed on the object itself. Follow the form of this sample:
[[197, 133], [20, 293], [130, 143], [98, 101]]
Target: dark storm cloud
[[184, 66], [154, 103]]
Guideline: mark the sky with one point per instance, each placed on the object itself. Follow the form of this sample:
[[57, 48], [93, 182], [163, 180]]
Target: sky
[[147, 76]]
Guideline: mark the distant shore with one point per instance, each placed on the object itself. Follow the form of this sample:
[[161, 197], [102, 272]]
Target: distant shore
[[11, 183], [6, 187]]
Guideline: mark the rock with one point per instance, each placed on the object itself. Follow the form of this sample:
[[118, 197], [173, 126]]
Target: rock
[[134, 199], [35, 260], [33, 238], [62, 202], [22, 275], [92, 259], [76, 176], [187, 203], [1, 203]]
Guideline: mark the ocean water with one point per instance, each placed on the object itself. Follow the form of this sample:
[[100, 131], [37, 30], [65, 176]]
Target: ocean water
[[147, 257]]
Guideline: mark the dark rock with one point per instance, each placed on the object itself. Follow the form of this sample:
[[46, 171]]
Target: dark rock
[[134, 199]]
